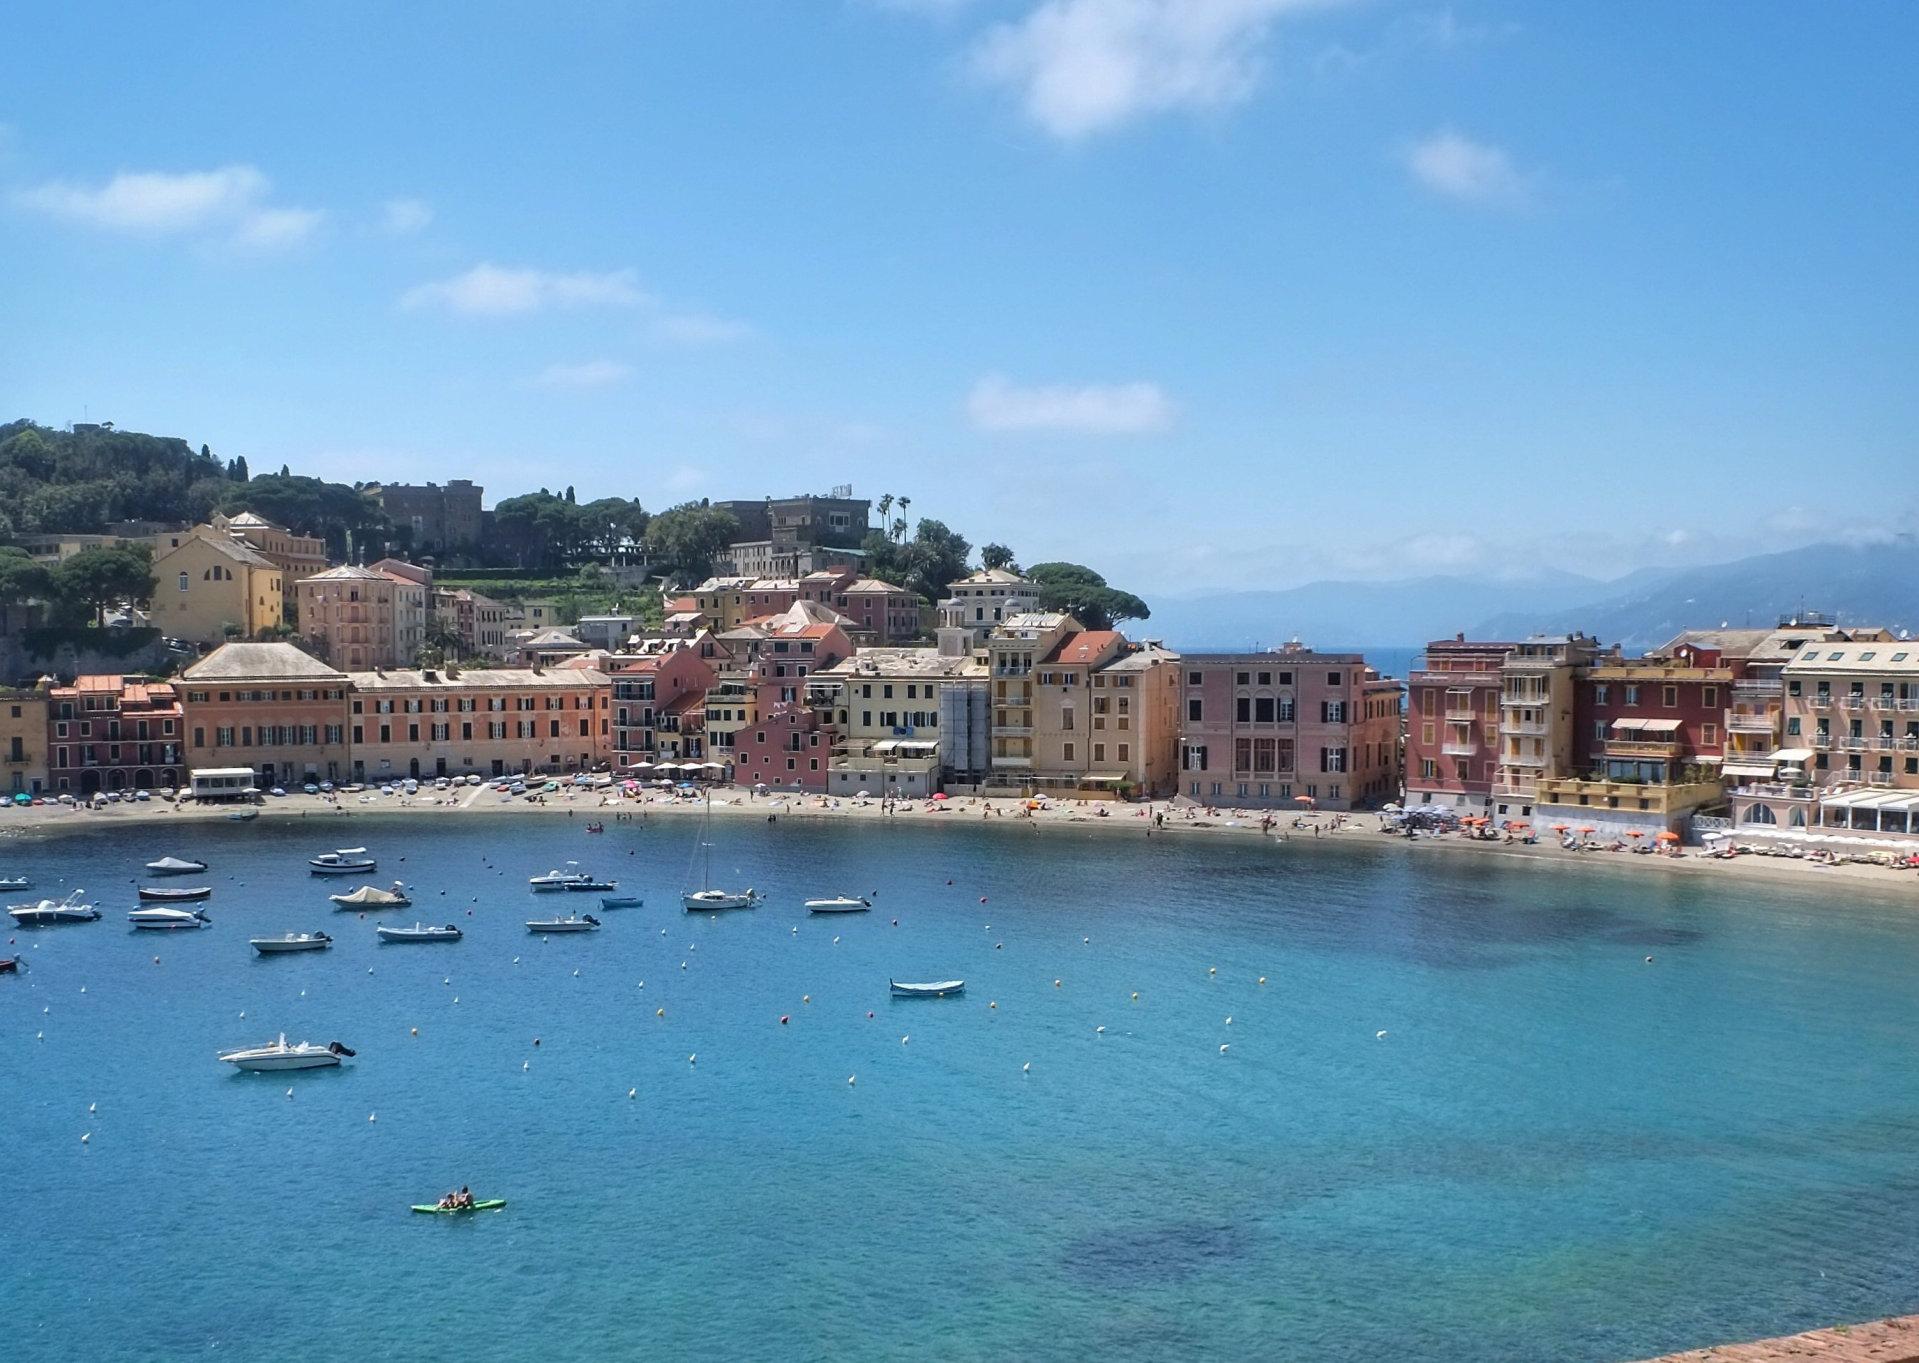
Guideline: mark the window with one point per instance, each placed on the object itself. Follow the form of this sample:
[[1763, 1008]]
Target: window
[[1099, 752], [1600, 692], [1670, 699], [1193, 711], [1067, 752], [1709, 733], [1195, 678], [1632, 695], [1242, 679], [1264, 710], [1243, 710], [1709, 696], [183, 582]]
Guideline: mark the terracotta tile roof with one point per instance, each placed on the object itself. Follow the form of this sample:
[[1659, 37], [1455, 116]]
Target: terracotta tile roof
[[1084, 647], [687, 704], [260, 662]]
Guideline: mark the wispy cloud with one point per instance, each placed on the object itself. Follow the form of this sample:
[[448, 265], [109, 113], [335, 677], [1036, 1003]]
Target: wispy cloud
[[697, 329], [489, 290], [275, 229], [586, 375], [1084, 66], [1456, 167], [1091, 409], [228, 202], [403, 217]]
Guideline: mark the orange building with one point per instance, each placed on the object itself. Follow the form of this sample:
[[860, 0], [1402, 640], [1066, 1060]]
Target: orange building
[[497, 721], [270, 707], [113, 733]]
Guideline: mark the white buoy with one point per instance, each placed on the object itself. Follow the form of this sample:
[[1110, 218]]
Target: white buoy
[[850, 1078], [1379, 1036], [1027, 1068], [632, 1093], [373, 1116], [1229, 1019], [1212, 970], [525, 1065], [576, 974], [86, 1137], [1100, 1030], [905, 1039], [1222, 1050], [693, 1059]]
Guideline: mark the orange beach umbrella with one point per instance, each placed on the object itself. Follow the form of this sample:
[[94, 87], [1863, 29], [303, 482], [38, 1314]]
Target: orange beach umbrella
[[1665, 835]]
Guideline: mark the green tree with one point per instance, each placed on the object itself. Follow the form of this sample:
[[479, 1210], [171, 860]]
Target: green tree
[[997, 556], [101, 577], [1084, 595], [685, 539], [343, 516], [21, 579]]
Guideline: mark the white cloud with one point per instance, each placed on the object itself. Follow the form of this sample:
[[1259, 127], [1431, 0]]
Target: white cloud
[[1456, 167], [403, 217], [1092, 409], [274, 229], [685, 478], [489, 290], [588, 374], [697, 329], [152, 201], [1084, 66]]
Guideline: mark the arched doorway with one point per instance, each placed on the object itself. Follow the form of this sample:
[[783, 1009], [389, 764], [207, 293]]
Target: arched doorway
[[143, 779], [1761, 814], [89, 782]]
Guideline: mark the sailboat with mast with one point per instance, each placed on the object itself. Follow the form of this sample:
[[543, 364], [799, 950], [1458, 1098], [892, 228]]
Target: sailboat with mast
[[708, 896]]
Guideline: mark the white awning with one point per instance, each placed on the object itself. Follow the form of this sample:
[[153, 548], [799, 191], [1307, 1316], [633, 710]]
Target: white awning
[[1629, 724], [1748, 769], [885, 745], [1793, 755], [918, 745], [1661, 726]]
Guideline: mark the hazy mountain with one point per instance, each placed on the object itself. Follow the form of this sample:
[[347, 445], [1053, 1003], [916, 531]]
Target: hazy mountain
[[1401, 613], [1870, 584]]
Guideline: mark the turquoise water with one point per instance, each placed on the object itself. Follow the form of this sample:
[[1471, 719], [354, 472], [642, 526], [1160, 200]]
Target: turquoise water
[[1557, 1151]]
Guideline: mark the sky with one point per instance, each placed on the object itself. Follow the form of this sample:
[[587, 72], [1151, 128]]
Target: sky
[[1204, 293]]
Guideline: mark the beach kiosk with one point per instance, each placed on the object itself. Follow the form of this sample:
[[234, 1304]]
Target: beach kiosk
[[223, 783]]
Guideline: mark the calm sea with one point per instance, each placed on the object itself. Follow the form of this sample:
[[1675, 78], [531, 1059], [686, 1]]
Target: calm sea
[[1556, 1150]]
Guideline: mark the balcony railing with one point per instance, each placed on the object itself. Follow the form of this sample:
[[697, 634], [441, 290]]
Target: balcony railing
[[1516, 789], [1524, 702], [1751, 689], [1461, 713], [1634, 747], [1014, 730], [1452, 747], [1525, 728], [1524, 760], [1426, 676], [1752, 724]]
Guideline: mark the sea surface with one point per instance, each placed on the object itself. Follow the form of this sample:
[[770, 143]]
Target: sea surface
[[1464, 1117]]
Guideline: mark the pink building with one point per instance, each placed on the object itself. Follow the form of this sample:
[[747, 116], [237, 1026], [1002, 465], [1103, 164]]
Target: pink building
[[1287, 728], [642, 689], [779, 739], [1452, 724]]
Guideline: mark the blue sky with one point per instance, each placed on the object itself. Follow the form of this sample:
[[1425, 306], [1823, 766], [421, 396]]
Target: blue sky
[[1207, 293]]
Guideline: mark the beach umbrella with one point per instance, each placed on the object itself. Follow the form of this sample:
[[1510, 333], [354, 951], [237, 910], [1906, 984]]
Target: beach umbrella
[[1667, 835], [940, 795], [1588, 828], [1634, 833], [1302, 799], [864, 795]]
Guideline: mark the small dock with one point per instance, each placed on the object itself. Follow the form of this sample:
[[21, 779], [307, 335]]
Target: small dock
[[1895, 1340]]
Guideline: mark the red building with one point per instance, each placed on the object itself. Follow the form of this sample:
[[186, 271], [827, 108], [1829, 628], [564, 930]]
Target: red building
[[113, 733], [1452, 724], [642, 691], [1653, 720], [779, 739]]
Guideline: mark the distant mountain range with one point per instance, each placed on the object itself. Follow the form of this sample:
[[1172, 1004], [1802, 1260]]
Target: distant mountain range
[[1862, 584]]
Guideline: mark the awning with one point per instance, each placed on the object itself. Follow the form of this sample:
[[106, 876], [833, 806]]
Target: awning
[[1107, 778], [1629, 724], [1793, 755], [1748, 769], [1661, 726], [885, 745], [1709, 759], [918, 745]]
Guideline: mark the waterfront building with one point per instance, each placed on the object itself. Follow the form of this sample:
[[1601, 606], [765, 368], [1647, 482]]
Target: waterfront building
[[270, 707], [904, 719], [1536, 716], [1289, 728], [978, 603], [432, 722], [23, 741], [642, 688], [1012, 651], [412, 605], [438, 518], [213, 587], [112, 732], [351, 616], [1452, 723], [786, 741], [295, 555]]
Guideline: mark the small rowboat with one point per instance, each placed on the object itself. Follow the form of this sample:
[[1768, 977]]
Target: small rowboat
[[292, 941], [419, 932], [174, 866], [9, 965], [167, 895], [621, 901], [584, 923], [490, 1205], [939, 989], [161, 920], [838, 904]]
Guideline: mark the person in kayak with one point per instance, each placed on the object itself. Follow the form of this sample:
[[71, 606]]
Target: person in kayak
[[465, 1200], [448, 1201]]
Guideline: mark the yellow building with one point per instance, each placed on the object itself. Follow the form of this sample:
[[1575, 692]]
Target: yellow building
[[213, 588], [23, 741], [295, 555]]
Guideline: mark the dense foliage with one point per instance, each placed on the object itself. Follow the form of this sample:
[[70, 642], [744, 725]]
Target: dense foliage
[[81, 587], [1084, 595], [926, 563], [544, 530], [346, 518], [80, 482], [685, 539]]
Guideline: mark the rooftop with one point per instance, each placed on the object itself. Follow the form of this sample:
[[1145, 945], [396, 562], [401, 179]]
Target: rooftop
[[260, 662], [1899, 657], [1085, 647], [475, 679], [904, 662], [348, 572]]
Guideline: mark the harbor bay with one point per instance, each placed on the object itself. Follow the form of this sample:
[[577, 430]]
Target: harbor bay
[[1199, 1098]]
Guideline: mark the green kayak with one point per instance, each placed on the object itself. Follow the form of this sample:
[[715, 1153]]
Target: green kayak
[[493, 1204]]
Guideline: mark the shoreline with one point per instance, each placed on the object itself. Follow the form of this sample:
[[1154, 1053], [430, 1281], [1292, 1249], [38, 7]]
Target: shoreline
[[30, 823]]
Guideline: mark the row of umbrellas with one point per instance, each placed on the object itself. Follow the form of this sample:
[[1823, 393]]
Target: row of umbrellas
[[679, 766]]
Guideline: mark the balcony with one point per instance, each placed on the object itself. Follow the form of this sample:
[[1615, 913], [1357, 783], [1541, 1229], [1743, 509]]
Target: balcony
[[1525, 728], [1524, 702], [1013, 730], [1752, 724], [1013, 763], [1512, 788], [1454, 747], [1425, 676], [1634, 747], [1461, 714], [1755, 690], [1513, 759]]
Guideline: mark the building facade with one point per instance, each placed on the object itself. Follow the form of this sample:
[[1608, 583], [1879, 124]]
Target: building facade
[[352, 617], [23, 741], [1289, 728], [213, 587], [113, 733], [902, 719], [439, 518], [270, 707], [296, 556], [1452, 724], [978, 603], [642, 691], [1536, 717], [447, 722]]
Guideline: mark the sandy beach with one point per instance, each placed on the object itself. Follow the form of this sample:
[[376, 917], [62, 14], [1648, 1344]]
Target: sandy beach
[[1157, 820]]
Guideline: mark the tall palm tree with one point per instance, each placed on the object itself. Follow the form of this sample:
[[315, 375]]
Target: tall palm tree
[[885, 505], [904, 502]]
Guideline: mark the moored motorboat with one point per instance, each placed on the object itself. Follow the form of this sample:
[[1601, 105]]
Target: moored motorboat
[[585, 922], [621, 901], [69, 910], [175, 866], [11, 883], [164, 919], [839, 904], [593, 883], [165, 894], [559, 880], [373, 897], [278, 1055], [292, 941], [9, 965], [347, 861], [419, 932], [937, 989]]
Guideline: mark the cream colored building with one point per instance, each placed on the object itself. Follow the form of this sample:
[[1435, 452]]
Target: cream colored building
[[494, 721], [888, 707], [23, 741], [213, 588], [297, 556], [1536, 717], [979, 603]]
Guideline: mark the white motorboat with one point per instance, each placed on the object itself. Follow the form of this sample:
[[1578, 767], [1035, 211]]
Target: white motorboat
[[560, 880], [68, 910], [10, 883], [719, 899], [839, 904], [348, 861], [937, 989], [707, 897], [292, 941], [160, 920], [419, 932], [583, 923], [175, 866], [278, 1055], [373, 897]]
